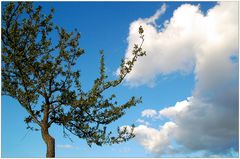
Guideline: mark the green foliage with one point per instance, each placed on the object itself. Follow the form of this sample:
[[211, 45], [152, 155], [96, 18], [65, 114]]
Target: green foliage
[[33, 68]]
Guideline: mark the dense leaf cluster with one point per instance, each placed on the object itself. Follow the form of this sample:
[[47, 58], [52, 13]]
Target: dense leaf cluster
[[34, 68]]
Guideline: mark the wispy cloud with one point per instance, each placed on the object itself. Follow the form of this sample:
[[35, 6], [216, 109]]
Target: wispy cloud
[[141, 121], [157, 15], [66, 146]]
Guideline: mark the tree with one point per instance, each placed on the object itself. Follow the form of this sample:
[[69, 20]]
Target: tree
[[40, 76]]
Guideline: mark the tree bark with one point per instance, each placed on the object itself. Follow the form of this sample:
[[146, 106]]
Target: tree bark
[[49, 141]]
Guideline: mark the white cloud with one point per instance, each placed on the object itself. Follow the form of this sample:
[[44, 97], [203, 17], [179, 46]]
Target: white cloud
[[192, 42], [183, 43], [154, 140], [204, 125], [158, 13], [149, 113], [141, 121], [179, 108]]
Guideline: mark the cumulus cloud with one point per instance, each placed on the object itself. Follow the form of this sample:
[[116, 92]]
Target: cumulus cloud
[[179, 108], [149, 113], [154, 140], [204, 125], [192, 42], [183, 43]]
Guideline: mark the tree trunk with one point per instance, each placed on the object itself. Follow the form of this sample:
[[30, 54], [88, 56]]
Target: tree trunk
[[49, 141]]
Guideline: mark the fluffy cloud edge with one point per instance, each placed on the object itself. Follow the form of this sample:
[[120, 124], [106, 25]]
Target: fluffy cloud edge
[[207, 41]]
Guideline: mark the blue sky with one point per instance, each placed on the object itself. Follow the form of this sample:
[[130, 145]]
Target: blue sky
[[107, 26]]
